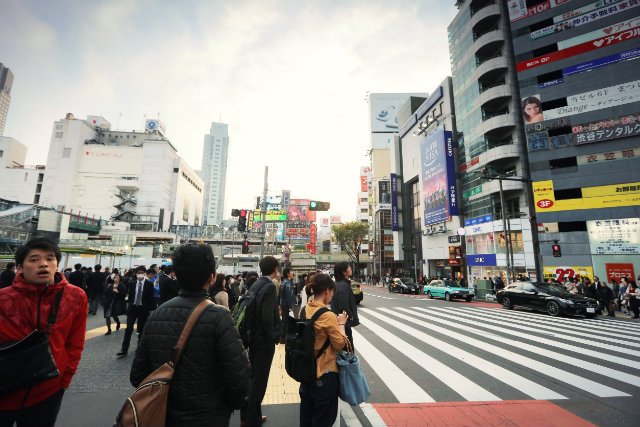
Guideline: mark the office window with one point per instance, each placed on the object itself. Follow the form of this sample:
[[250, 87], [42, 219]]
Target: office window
[[66, 153], [58, 135]]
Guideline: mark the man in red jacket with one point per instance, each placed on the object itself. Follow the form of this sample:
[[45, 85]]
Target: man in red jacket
[[37, 265]]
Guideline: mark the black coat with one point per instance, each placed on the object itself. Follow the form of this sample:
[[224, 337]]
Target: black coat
[[114, 303], [148, 303], [344, 300], [77, 278], [168, 288], [96, 283], [213, 376], [605, 294], [266, 318], [590, 291]]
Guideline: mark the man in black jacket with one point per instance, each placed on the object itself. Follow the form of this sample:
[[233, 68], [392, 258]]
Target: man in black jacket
[[168, 284], [141, 302], [343, 299], [77, 277], [96, 284], [7, 275], [213, 376], [264, 337]]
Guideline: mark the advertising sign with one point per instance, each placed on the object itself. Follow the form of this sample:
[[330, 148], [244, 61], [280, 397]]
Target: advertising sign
[[438, 177], [564, 273], [614, 237], [312, 239], [601, 62], [605, 130], [617, 271], [250, 220], [588, 46], [286, 198], [479, 220], [598, 99], [274, 216], [608, 156], [603, 12], [299, 211], [395, 223], [604, 196], [482, 260], [384, 110], [336, 219], [365, 173], [325, 222], [518, 8], [384, 194]]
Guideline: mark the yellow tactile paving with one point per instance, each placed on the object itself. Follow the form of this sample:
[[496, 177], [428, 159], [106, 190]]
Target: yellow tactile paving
[[92, 333], [281, 387]]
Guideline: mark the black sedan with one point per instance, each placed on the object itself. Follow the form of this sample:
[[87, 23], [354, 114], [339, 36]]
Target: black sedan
[[553, 299], [404, 286]]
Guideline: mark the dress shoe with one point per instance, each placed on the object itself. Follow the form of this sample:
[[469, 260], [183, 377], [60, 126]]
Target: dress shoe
[[118, 326], [121, 354], [264, 418], [108, 332]]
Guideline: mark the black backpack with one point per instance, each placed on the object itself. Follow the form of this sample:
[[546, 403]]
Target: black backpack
[[244, 313], [300, 357]]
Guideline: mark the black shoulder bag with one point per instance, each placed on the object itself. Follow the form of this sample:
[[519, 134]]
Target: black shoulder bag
[[29, 361]]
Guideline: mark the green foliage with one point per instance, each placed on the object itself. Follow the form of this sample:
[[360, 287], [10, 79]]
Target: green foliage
[[349, 236]]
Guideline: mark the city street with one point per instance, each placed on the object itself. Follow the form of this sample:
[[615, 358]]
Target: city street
[[434, 363]]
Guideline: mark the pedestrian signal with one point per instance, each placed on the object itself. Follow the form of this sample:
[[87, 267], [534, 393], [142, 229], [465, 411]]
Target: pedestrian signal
[[245, 247], [242, 220], [556, 251]]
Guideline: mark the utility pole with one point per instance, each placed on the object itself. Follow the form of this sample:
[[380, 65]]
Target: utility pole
[[504, 229], [263, 232]]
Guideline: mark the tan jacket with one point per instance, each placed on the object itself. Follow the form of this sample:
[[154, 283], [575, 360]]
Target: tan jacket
[[326, 326]]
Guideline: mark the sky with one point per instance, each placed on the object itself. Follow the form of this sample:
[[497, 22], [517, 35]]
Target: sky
[[289, 77]]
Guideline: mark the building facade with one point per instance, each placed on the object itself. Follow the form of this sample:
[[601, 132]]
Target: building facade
[[19, 183], [214, 172], [133, 177], [6, 82], [424, 162], [489, 140], [577, 69]]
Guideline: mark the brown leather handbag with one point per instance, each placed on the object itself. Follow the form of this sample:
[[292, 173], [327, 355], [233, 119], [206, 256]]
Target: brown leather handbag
[[147, 406]]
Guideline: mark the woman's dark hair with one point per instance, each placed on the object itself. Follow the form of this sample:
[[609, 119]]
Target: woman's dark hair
[[193, 265], [286, 272], [251, 280], [218, 285], [339, 269], [530, 100], [308, 278], [268, 265], [37, 243], [319, 284]]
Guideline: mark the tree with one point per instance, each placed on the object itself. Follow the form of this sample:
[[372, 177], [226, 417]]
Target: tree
[[349, 236]]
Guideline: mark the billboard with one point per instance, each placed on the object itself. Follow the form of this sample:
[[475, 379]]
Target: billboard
[[384, 108], [563, 273], [384, 194], [438, 177], [616, 271], [603, 196], [365, 175], [299, 210], [395, 223], [336, 219], [615, 236]]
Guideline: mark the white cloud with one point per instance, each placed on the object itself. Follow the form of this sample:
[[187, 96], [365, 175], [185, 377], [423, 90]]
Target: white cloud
[[288, 77]]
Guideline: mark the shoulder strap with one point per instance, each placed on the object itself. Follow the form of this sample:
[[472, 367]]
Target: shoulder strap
[[315, 317], [188, 328], [53, 313]]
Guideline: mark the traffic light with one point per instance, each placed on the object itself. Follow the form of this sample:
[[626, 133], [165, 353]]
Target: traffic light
[[242, 220], [245, 246], [315, 205], [235, 212], [556, 251]]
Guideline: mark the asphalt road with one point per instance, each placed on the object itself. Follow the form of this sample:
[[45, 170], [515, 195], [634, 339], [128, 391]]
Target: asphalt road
[[420, 354], [436, 363]]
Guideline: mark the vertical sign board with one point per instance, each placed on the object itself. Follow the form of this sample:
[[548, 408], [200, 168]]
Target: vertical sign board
[[384, 194], [616, 271], [395, 226], [438, 177], [312, 238]]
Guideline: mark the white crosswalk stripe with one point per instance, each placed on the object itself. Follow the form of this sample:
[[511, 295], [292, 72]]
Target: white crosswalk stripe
[[379, 296], [553, 358]]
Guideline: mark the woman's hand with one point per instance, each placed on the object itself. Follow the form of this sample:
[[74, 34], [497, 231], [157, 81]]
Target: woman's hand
[[342, 318]]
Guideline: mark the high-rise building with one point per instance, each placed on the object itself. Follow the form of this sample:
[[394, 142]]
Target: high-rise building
[[489, 139], [214, 172], [577, 69], [132, 177], [6, 82]]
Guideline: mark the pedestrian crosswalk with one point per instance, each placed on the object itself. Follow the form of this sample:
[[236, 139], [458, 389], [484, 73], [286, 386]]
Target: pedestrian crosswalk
[[444, 353], [379, 296]]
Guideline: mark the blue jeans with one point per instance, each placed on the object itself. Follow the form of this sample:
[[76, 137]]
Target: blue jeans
[[319, 401]]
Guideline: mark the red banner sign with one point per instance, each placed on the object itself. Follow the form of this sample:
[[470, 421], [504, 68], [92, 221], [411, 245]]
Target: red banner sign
[[618, 271]]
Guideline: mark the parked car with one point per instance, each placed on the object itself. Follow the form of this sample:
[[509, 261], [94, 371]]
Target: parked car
[[554, 299], [403, 286], [357, 292], [447, 289]]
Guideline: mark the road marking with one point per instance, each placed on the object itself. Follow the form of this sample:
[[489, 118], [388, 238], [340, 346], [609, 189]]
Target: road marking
[[380, 296], [577, 381], [350, 417], [399, 383], [549, 328], [372, 415], [623, 376], [454, 380], [528, 387]]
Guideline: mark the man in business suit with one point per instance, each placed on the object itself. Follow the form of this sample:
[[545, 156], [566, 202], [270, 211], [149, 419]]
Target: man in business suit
[[264, 337], [141, 302]]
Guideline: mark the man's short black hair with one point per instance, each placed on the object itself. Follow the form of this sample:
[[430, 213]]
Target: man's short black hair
[[340, 268], [10, 265], [98, 267], [193, 265], [168, 270], [41, 243], [286, 272], [78, 266], [141, 268], [151, 271], [268, 265]]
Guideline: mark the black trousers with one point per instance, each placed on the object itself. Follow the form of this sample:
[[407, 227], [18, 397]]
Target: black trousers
[[136, 312], [319, 401], [42, 414], [261, 357], [285, 324]]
